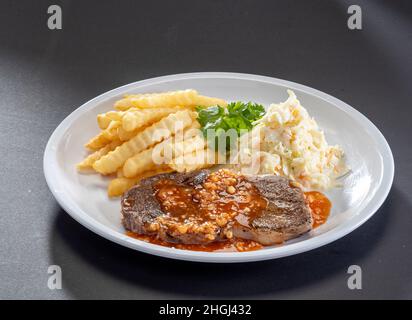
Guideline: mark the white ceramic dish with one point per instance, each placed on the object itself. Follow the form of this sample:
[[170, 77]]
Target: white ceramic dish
[[368, 154]]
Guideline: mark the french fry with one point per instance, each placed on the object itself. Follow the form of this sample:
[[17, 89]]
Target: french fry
[[194, 161], [104, 119], [104, 137], [111, 131], [134, 119], [164, 152], [209, 101], [151, 135], [118, 186], [184, 98], [169, 150], [119, 173], [92, 158], [167, 99], [127, 135], [141, 162], [97, 142]]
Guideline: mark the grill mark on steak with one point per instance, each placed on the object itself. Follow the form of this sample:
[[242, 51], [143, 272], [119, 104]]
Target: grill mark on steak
[[140, 208], [286, 215]]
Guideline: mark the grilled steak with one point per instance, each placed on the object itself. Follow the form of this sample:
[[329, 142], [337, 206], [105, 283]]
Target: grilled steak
[[286, 216], [142, 211], [202, 207]]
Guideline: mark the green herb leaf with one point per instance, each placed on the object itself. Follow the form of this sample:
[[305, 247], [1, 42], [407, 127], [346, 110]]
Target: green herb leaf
[[237, 115]]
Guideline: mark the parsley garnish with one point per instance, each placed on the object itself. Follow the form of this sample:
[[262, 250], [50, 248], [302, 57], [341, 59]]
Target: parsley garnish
[[238, 115]]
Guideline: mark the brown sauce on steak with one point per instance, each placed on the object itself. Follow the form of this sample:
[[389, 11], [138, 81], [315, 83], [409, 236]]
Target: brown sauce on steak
[[221, 197], [319, 206]]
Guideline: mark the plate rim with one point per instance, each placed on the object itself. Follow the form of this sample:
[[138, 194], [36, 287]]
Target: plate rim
[[49, 162]]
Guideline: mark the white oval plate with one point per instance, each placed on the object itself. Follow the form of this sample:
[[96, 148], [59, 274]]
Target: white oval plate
[[368, 154]]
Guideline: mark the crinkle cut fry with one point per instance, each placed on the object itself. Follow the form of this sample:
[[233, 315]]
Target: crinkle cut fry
[[194, 161], [162, 153], [97, 142], [135, 119], [118, 186], [88, 162], [157, 132], [104, 119], [184, 98]]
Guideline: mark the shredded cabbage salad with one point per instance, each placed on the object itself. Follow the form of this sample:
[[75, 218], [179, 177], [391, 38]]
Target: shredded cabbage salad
[[291, 144]]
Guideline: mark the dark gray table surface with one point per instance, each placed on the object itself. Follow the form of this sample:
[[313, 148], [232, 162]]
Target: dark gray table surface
[[45, 75]]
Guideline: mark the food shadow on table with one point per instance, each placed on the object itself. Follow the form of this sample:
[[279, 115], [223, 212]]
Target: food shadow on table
[[95, 268]]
